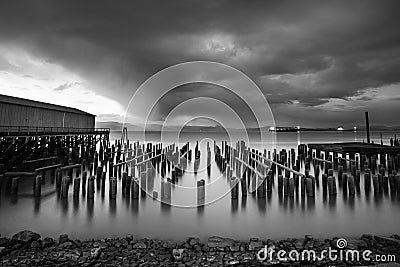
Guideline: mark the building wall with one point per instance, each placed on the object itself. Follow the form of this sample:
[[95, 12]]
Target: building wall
[[19, 115]]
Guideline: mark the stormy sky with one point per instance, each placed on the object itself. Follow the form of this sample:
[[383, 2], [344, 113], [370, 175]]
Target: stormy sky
[[318, 63]]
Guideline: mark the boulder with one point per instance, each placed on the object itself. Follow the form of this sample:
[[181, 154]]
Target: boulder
[[26, 236], [139, 245]]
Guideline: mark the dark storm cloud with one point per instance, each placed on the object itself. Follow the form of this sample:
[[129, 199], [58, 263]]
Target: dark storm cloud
[[299, 52]]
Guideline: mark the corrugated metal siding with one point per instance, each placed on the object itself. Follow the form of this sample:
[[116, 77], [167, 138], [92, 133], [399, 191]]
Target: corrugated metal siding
[[17, 115]]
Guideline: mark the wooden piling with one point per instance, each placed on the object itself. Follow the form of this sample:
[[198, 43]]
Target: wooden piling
[[201, 191], [332, 185], [351, 185], [143, 184], [77, 186], [64, 186], [113, 188], [234, 188], [310, 189], [37, 186], [135, 188], [90, 188]]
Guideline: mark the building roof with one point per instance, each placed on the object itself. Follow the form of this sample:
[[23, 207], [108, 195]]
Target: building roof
[[37, 104]]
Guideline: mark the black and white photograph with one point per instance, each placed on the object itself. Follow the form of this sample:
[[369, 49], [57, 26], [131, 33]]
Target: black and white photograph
[[200, 133]]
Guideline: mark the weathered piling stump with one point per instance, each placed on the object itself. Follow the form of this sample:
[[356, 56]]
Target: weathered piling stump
[[332, 185], [124, 177], [135, 188], [345, 182], [367, 181], [269, 183], [280, 184], [285, 186], [14, 185], [90, 187], [261, 187], [351, 184], [291, 186], [77, 186], [375, 182], [340, 173], [234, 188], [324, 182], [113, 188], [201, 191], [64, 186], [310, 189], [397, 183], [37, 186], [143, 184]]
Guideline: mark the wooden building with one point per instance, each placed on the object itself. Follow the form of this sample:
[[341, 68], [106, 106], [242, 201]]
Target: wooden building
[[16, 111]]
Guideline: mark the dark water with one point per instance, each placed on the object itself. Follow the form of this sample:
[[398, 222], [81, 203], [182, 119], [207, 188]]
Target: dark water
[[271, 217]]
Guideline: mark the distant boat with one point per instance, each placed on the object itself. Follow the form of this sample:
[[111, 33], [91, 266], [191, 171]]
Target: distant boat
[[340, 129]]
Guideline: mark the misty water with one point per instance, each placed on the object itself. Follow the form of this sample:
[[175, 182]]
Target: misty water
[[270, 217]]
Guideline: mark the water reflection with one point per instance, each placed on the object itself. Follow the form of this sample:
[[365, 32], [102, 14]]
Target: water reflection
[[234, 205], [89, 208]]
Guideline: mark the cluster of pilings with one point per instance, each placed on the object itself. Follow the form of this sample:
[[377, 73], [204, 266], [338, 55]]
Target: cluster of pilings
[[39, 157], [253, 171], [85, 164]]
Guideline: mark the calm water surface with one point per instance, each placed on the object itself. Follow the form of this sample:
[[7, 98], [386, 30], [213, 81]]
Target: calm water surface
[[271, 217]]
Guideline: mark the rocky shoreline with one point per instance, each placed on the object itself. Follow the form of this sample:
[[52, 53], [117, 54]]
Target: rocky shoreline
[[27, 248]]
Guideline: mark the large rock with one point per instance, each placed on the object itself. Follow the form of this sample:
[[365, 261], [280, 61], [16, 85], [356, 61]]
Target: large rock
[[139, 245], [26, 236]]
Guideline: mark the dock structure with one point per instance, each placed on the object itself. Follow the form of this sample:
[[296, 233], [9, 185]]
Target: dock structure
[[37, 138], [355, 147]]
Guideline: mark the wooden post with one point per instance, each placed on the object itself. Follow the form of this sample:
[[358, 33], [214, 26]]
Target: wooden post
[[310, 187], [201, 191], [351, 185], [135, 188], [291, 187], [340, 173], [143, 183], [77, 186], [345, 182], [90, 190], [375, 183], [324, 182], [64, 186], [124, 177], [280, 183], [113, 188], [269, 182], [397, 182], [37, 186], [367, 126], [261, 187], [332, 185], [234, 188], [367, 180]]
